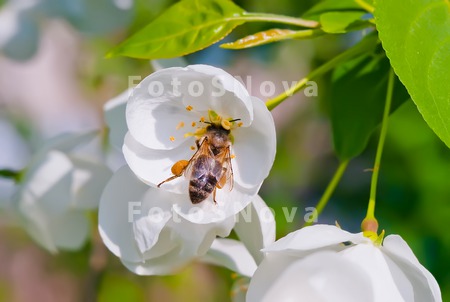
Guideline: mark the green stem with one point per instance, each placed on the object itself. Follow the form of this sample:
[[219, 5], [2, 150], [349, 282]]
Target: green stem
[[11, 174], [359, 48], [261, 17], [369, 8], [376, 167], [329, 190]]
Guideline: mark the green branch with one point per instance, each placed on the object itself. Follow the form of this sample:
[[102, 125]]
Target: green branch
[[363, 46], [329, 190]]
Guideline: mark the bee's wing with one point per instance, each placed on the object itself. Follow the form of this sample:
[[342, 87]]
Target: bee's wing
[[203, 149], [227, 168]]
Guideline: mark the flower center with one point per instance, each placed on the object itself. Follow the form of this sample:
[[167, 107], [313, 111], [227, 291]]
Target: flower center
[[215, 120]]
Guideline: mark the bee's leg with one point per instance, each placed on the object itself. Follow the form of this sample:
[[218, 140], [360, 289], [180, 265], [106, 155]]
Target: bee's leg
[[168, 179], [177, 170], [214, 195]]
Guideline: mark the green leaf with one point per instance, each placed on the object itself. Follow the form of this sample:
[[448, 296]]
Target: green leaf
[[418, 46], [187, 26], [357, 101], [272, 35], [333, 6], [338, 22]]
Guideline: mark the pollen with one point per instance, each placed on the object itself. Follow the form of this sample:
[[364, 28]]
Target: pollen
[[192, 148], [240, 124], [202, 119], [180, 125], [194, 124], [189, 108], [232, 156], [172, 138], [226, 124]]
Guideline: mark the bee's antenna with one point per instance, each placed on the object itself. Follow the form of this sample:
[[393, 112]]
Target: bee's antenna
[[206, 122], [235, 120]]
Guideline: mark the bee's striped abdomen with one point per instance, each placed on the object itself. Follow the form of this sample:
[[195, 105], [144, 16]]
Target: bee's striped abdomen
[[205, 174]]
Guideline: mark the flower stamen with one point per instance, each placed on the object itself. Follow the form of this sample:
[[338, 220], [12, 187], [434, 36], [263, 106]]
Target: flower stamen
[[172, 138], [180, 125], [189, 108]]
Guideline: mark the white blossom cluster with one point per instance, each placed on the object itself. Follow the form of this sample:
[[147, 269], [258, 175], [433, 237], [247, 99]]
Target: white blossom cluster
[[148, 218]]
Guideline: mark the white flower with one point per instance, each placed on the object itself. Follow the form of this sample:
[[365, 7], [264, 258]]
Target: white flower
[[324, 263], [56, 189], [138, 224], [172, 108], [255, 227]]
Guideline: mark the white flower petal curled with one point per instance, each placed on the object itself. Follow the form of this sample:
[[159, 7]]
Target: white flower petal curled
[[57, 187], [138, 225], [172, 109], [391, 270], [255, 227], [231, 254]]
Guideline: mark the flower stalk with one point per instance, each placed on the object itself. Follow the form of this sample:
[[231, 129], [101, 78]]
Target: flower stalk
[[370, 224], [329, 190]]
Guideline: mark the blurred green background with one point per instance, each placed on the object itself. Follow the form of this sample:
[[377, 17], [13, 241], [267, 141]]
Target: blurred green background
[[414, 185]]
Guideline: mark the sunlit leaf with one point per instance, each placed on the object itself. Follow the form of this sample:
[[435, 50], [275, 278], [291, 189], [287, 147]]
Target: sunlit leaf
[[185, 27], [338, 22], [271, 35], [418, 46], [357, 102]]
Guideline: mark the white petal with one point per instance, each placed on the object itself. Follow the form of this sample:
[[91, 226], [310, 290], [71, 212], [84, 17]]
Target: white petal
[[321, 277], [147, 229], [255, 227], [222, 93], [152, 119], [153, 166], [231, 254], [314, 237], [114, 111], [229, 203], [179, 243], [47, 184], [423, 283], [121, 201], [155, 213], [69, 142], [167, 264], [254, 147], [371, 259], [89, 179]]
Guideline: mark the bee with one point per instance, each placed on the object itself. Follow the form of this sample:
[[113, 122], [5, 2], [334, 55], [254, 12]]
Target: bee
[[210, 167]]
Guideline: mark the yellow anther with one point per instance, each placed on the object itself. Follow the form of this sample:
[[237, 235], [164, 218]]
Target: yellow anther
[[232, 156], [202, 119], [194, 124], [180, 125], [240, 124], [226, 124], [172, 138], [189, 108], [193, 148]]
